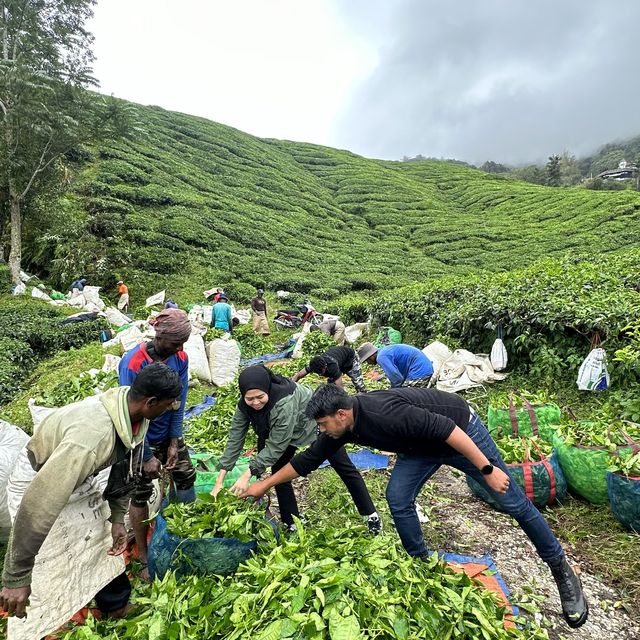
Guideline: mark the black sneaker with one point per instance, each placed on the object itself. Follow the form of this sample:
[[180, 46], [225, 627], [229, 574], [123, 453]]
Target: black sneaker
[[574, 605], [375, 524]]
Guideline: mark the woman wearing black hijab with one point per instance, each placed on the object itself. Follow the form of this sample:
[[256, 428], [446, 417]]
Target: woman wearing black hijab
[[274, 406]]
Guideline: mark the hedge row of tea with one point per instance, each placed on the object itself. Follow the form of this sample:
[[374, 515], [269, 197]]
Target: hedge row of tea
[[549, 311], [187, 202]]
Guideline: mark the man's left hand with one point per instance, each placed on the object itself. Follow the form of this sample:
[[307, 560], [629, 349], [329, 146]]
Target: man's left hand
[[15, 601], [172, 456], [119, 536]]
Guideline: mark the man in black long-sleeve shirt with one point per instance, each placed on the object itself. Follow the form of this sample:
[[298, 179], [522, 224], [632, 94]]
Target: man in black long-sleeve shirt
[[427, 428], [332, 364]]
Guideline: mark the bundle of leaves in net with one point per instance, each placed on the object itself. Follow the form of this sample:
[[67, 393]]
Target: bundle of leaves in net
[[515, 450], [336, 584], [225, 516], [585, 448], [77, 388], [315, 344]]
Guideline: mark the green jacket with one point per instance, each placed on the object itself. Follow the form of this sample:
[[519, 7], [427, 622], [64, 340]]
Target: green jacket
[[70, 445], [288, 426]]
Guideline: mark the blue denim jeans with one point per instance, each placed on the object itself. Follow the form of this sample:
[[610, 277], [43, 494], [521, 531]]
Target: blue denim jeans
[[412, 471]]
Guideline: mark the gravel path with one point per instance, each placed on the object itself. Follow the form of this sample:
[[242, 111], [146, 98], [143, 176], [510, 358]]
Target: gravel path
[[473, 528]]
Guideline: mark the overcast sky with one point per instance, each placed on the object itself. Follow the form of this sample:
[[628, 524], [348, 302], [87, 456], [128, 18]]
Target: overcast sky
[[506, 80]]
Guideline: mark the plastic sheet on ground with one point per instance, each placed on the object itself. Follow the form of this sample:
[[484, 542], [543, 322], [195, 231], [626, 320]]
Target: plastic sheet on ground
[[197, 409], [365, 459], [269, 357], [477, 569]]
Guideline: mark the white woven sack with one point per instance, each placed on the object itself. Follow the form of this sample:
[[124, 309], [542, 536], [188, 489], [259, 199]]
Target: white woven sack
[[111, 363], [198, 363], [38, 413], [12, 441], [116, 317], [297, 350], [61, 582], [39, 293], [224, 360], [158, 298], [355, 331], [207, 314], [130, 337], [593, 374], [499, 357], [92, 297], [243, 315]]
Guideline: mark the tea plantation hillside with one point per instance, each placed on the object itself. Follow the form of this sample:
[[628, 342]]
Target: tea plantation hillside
[[186, 203]]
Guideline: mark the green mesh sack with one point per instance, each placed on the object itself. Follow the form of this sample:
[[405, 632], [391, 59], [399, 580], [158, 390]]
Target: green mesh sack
[[543, 482], [624, 495], [206, 465], [585, 469], [388, 335], [202, 556], [530, 420]]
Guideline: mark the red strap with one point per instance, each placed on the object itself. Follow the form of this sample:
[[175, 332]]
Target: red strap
[[528, 481], [552, 481], [513, 416], [532, 415]]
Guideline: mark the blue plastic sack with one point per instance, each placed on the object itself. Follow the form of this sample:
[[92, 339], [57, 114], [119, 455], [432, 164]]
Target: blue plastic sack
[[200, 556]]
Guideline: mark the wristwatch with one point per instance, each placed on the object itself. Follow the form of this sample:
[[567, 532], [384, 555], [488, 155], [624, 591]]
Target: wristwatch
[[487, 469]]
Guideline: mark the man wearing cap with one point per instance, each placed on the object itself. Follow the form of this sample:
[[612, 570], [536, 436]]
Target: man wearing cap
[[222, 315], [427, 428], [332, 364], [403, 364], [259, 308], [165, 437], [123, 301]]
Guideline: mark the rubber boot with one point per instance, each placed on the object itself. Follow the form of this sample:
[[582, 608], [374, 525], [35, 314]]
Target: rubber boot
[[574, 605], [186, 495]]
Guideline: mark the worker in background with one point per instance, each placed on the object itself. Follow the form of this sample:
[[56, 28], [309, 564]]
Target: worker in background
[[222, 314], [78, 284], [334, 328], [403, 364], [165, 435], [123, 300], [259, 309], [332, 364]]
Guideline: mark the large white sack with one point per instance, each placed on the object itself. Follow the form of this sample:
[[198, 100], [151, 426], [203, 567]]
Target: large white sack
[[39, 293], [12, 441], [38, 413], [198, 363], [116, 317], [111, 362], [129, 338], [207, 314], [354, 331], [92, 298], [438, 353], [243, 315], [297, 350], [224, 360], [72, 564], [158, 298]]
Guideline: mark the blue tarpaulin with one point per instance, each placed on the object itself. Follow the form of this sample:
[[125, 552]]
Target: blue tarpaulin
[[268, 357], [196, 410], [365, 459]]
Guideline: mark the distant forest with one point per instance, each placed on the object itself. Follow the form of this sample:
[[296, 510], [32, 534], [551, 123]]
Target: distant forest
[[564, 169]]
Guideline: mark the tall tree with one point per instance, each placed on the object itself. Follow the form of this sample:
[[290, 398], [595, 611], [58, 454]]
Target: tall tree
[[45, 108], [553, 171]]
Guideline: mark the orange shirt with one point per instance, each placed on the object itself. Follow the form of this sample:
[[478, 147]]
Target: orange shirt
[[123, 289]]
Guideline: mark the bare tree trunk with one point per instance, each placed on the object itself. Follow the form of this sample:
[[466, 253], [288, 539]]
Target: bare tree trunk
[[15, 255]]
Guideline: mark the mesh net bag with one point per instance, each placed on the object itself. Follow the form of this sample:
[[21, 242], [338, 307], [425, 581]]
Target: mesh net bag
[[530, 420], [543, 482], [624, 495], [207, 471], [201, 556]]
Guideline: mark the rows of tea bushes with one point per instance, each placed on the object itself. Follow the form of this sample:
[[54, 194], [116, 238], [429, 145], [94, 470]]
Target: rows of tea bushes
[[186, 203], [549, 311]]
